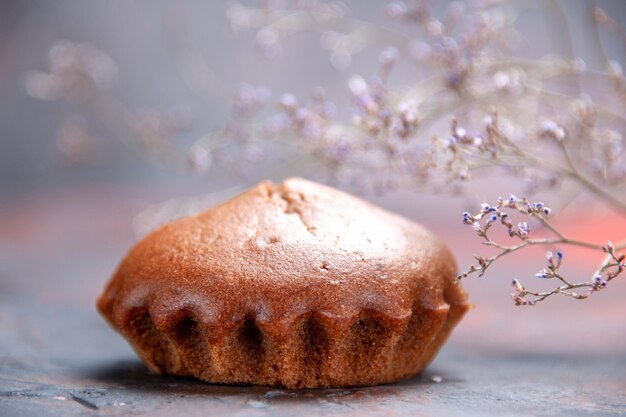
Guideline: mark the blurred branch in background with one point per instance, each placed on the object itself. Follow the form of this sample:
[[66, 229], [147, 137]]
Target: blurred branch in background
[[532, 120]]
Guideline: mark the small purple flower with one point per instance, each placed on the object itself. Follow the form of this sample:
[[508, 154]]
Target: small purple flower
[[512, 199], [467, 218], [552, 129], [288, 101], [396, 9], [460, 133], [599, 282], [547, 211], [388, 57], [539, 205], [559, 259], [302, 114], [523, 230], [609, 247]]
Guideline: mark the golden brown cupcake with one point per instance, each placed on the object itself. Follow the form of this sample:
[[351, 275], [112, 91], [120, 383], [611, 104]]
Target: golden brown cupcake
[[296, 285]]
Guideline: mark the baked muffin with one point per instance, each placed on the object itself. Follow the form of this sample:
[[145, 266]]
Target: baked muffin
[[295, 285]]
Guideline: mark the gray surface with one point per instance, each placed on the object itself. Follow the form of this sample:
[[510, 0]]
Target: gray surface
[[99, 376]]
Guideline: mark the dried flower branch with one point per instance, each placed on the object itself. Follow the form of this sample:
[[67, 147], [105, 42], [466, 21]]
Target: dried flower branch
[[488, 216]]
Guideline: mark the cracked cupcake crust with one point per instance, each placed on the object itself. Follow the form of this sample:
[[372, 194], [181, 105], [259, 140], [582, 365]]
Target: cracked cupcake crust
[[296, 285]]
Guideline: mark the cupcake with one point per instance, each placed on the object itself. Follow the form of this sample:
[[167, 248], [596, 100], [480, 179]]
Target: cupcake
[[294, 285]]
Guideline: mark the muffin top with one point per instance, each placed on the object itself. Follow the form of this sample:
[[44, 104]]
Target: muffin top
[[276, 252]]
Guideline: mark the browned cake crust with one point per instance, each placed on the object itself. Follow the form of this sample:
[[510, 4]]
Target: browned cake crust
[[296, 285]]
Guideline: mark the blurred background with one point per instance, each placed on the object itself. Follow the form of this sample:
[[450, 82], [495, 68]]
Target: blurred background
[[68, 212]]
